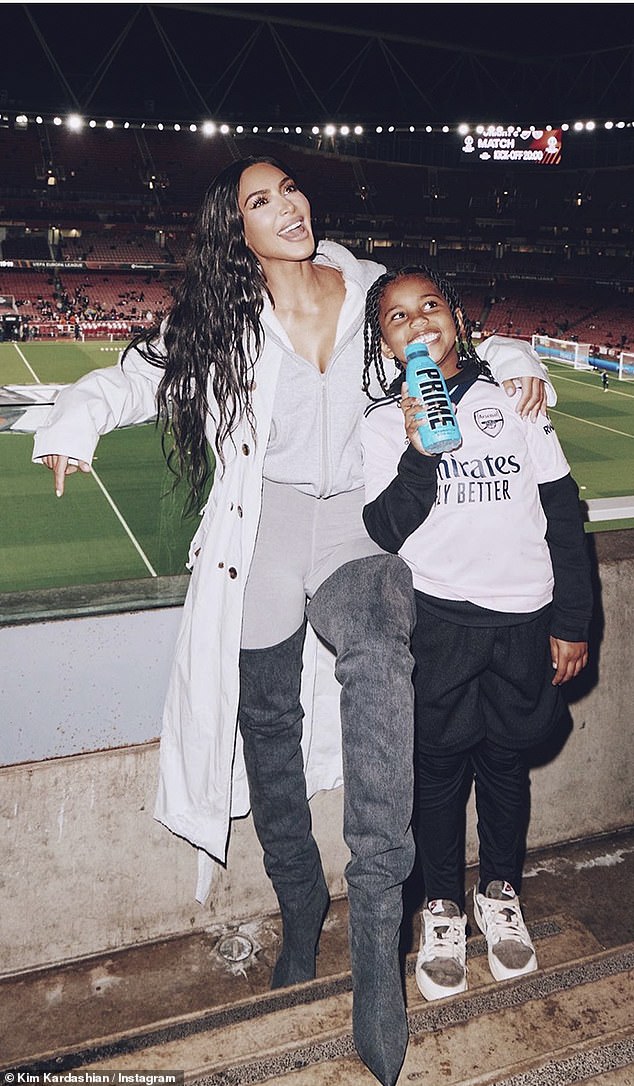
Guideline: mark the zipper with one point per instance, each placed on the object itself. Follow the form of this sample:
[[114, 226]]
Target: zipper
[[325, 444], [326, 465]]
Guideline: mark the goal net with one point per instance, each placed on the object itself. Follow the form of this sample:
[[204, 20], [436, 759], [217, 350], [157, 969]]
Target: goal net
[[563, 350]]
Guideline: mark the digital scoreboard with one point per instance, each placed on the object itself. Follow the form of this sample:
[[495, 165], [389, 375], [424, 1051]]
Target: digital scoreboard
[[512, 143]]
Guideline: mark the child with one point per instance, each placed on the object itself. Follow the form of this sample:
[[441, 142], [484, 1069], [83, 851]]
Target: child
[[494, 537]]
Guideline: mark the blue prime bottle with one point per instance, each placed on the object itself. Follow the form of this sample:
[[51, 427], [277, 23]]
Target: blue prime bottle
[[439, 430]]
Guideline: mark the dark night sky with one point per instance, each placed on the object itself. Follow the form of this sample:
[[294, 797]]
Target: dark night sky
[[184, 60]]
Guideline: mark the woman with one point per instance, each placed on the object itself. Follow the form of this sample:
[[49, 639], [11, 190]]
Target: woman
[[261, 359]]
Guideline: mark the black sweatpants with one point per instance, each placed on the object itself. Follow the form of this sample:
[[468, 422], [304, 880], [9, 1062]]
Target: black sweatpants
[[483, 695]]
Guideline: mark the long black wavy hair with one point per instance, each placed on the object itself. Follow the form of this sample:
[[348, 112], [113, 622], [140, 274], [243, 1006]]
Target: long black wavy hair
[[213, 330], [372, 354]]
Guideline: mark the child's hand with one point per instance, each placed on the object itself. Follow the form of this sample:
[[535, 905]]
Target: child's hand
[[411, 408], [569, 658], [532, 401]]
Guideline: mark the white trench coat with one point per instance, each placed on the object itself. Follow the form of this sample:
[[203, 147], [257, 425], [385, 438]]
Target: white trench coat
[[202, 779]]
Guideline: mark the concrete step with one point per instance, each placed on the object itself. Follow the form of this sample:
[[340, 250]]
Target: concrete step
[[575, 1016], [561, 1026]]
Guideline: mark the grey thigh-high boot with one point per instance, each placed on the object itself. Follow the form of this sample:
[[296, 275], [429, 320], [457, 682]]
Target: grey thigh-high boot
[[365, 611], [270, 718]]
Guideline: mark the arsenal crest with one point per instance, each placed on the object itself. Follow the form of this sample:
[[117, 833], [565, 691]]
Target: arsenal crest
[[490, 420]]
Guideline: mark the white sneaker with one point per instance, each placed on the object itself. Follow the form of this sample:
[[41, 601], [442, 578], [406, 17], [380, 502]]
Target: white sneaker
[[440, 964], [499, 917]]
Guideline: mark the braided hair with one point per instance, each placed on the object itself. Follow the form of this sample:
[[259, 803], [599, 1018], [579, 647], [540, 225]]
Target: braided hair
[[372, 354]]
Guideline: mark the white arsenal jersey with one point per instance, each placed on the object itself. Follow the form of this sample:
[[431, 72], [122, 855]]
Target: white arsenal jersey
[[484, 539]]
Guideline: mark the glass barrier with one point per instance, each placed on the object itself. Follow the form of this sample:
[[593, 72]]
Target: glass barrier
[[117, 539]]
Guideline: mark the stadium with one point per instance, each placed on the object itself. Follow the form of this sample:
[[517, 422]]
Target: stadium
[[492, 144]]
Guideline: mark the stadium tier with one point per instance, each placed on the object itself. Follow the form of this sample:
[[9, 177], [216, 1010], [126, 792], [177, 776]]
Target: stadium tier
[[150, 173], [109, 213], [122, 244]]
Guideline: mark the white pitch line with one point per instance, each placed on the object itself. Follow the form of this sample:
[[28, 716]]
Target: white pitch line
[[573, 381], [123, 523], [27, 364], [117, 513], [588, 422]]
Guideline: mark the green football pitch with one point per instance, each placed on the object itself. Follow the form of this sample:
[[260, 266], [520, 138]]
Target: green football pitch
[[124, 522]]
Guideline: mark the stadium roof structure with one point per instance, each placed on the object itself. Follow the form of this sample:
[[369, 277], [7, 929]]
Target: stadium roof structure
[[312, 64]]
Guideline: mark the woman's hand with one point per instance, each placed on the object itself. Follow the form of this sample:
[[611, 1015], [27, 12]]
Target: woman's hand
[[411, 408], [569, 658], [61, 466], [532, 401]]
